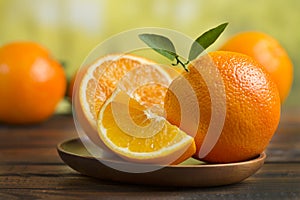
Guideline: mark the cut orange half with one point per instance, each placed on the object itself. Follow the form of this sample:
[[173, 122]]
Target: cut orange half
[[137, 134], [102, 77]]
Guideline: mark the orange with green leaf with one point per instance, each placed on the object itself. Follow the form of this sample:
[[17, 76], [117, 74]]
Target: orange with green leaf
[[252, 106], [252, 103]]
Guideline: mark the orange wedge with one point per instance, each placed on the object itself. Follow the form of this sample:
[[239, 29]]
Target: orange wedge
[[103, 76], [137, 134]]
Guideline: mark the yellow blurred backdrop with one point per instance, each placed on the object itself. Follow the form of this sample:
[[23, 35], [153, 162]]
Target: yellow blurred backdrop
[[70, 29]]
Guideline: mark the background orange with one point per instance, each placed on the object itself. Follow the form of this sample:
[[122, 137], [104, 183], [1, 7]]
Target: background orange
[[32, 83], [268, 52]]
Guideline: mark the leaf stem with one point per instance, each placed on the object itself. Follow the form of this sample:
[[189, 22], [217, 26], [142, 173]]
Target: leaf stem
[[178, 61]]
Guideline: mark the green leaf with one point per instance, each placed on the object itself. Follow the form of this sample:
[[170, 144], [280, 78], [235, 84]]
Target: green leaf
[[205, 40], [160, 44]]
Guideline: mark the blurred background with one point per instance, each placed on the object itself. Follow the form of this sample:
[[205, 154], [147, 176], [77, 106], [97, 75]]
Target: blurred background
[[70, 29]]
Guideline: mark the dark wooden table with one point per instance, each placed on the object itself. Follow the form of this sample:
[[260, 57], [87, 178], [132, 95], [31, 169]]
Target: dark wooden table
[[30, 168]]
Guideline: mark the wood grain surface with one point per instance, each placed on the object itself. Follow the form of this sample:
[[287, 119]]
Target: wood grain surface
[[30, 168]]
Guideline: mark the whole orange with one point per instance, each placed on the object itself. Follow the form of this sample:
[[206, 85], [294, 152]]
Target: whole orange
[[252, 105], [31, 83], [268, 52]]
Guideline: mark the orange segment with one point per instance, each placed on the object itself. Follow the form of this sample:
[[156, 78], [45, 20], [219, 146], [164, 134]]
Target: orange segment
[[160, 142], [102, 78]]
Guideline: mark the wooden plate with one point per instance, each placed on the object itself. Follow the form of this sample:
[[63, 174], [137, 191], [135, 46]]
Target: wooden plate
[[191, 173]]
